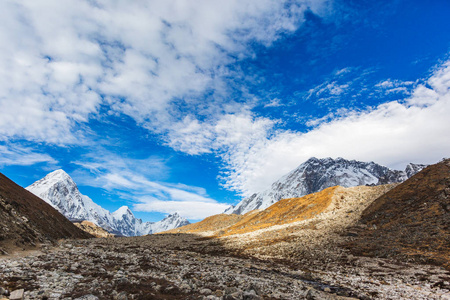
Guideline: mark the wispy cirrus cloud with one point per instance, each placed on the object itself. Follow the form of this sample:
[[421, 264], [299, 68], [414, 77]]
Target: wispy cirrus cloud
[[138, 182], [16, 155], [396, 86], [328, 91], [342, 85]]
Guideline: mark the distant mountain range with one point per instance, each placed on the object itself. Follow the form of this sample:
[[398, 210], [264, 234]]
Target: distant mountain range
[[60, 191], [316, 174]]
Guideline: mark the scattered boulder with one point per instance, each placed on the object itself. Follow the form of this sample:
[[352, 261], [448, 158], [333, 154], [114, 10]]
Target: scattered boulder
[[87, 297], [17, 295]]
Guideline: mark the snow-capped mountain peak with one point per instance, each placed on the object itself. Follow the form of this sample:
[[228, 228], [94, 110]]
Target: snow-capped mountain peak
[[122, 211], [412, 169], [51, 179], [171, 221], [317, 174], [60, 191]]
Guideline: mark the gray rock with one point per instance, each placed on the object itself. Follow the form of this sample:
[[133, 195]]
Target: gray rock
[[205, 292], [446, 296], [87, 297], [235, 296], [251, 296], [314, 294], [122, 296], [231, 290], [17, 294]]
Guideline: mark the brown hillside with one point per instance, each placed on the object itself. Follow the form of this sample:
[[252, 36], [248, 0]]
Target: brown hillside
[[26, 220], [211, 224], [412, 221], [93, 229], [283, 212]]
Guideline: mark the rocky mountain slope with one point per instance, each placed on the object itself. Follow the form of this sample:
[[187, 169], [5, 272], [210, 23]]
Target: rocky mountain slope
[[411, 221], [317, 174], [60, 191], [210, 226], [331, 209], [407, 222], [26, 220]]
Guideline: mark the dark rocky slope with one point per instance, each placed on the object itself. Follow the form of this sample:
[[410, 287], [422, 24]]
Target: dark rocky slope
[[410, 222], [26, 220]]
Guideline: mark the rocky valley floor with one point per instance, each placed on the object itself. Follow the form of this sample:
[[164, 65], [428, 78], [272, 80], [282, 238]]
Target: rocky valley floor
[[183, 266]]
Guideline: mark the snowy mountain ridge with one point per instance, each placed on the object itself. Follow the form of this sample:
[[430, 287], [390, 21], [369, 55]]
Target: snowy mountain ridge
[[60, 191], [317, 174]]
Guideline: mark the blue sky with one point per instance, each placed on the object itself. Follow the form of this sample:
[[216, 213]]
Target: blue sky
[[189, 106]]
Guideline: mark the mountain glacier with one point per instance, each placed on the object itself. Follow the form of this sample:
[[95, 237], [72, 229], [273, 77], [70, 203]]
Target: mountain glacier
[[317, 174], [60, 191]]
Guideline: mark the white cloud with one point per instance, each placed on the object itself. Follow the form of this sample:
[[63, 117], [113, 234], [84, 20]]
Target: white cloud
[[329, 90], [338, 113], [393, 133], [343, 71], [23, 156], [150, 196], [134, 180], [230, 133], [395, 86], [355, 84], [60, 62], [273, 103]]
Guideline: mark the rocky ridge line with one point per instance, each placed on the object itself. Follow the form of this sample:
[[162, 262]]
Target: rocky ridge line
[[316, 174]]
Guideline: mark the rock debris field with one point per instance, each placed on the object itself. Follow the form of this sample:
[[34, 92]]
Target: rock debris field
[[182, 266]]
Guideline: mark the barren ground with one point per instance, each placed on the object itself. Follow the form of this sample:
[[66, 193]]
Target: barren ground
[[183, 266]]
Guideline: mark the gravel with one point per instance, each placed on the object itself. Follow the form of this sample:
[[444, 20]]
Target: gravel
[[191, 267]]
